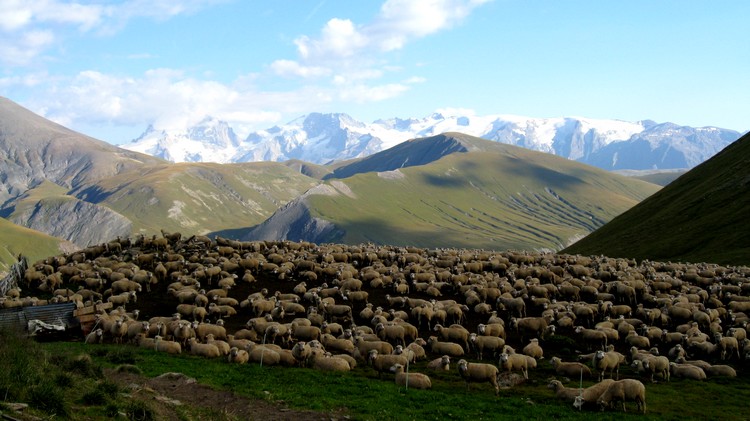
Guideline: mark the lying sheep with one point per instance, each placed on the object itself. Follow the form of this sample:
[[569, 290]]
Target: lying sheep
[[622, 391], [720, 370], [570, 369], [687, 371], [532, 349], [414, 380], [321, 362], [170, 347], [203, 350], [515, 362], [238, 356], [442, 363], [479, 373]]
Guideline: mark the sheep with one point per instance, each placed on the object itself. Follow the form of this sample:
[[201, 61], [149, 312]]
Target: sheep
[[135, 329], [305, 333], [414, 380], [651, 366], [562, 392], [633, 339], [592, 393], [491, 329], [592, 337], [489, 343], [532, 349], [609, 360], [95, 337], [394, 334], [366, 346], [321, 362], [125, 285], [203, 350], [624, 390], [119, 330], [720, 370], [687, 371], [263, 354], [442, 363], [535, 326], [332, 343], [727, 345], [122, 298], [203, 329], [383, 363], [417, 349], [238, 356], [570, 369], [479, 373], [223, 346], [170, 347], [515, 362], [447, 348], [346, 357], [455, 333]]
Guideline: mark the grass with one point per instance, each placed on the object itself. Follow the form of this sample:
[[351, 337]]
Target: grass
[[20, 240], [363, 396], [500, 198], [699, 217]]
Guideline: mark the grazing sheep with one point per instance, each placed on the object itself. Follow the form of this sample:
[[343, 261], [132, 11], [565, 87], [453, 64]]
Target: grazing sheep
[[592, 393], [564, 393], [414, 380], [438, 364], [570, 369], [687, 371], [622, 391], [479, 373], [515, 362]]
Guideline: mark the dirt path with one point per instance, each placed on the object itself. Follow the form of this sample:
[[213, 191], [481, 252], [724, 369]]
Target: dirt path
[[172, 394]]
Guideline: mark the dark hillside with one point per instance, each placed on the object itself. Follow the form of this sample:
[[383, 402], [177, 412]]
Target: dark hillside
[[701, 216]]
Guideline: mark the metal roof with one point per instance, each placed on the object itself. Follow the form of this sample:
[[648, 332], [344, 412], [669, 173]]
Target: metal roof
[[17, 318]]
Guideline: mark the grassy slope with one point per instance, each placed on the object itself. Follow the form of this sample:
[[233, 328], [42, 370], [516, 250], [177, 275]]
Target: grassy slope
[[32, 244], [702, 216], [511, 198], [362, 395], [199, 197]]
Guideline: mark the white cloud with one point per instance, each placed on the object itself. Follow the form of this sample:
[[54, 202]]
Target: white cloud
[[24, 48], [293, 68]]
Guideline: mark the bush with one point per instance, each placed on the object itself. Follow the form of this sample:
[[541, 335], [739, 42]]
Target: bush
[[95, 397], [63, 380], [48, 398], [139, 411]]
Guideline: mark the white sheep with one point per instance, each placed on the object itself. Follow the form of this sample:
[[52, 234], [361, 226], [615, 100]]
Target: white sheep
[[609, 360], [383, 363], [479, 373], [170, 347], [570, 369], [95, 337], [486, 343], [445, 348], [687, 371], [441, 363], [238, 356], [533, 349], [622, 391], [413, 380], [203, 350], [653, 365], [515, 362], [720, 370], [592, 393]]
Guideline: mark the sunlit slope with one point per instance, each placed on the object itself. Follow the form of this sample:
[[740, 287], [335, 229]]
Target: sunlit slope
[[198, 197], [499, 197], [32, 244], [702, 216]]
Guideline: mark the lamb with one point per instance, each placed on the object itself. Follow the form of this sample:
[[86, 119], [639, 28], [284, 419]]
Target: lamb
[[479, 373], [624, 390], [609, 360], [238, 356], [442, 363], [570, 369], [415, 380], [448, 348], [687, 371], [490, 343], [203, 350], [515, 362]]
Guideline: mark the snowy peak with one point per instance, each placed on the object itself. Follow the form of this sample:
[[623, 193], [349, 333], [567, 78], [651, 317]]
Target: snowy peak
[[320, 138]]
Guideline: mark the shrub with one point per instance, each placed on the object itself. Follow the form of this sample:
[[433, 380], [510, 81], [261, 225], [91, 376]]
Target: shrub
[[48, 398]]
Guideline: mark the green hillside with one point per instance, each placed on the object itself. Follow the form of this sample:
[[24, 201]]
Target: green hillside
[[32, 244], [198, 197], [702, 216], [499, 197]]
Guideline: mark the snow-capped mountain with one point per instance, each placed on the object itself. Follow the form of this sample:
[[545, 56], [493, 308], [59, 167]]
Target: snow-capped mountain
[[211, 140], [322, 138]]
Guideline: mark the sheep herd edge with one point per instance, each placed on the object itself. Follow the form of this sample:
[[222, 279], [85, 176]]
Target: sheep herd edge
[[489, 321]]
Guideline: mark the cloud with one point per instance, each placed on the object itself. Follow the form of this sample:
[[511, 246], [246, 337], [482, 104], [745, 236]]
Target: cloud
[[28, 28], [293, 68]]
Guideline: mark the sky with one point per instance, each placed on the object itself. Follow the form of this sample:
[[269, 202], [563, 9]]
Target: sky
[[110, 69]]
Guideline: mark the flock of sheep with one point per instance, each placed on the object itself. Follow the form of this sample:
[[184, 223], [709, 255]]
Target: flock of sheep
[[332, 307]]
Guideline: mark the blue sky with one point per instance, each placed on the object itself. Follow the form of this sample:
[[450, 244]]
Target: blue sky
[[111, 68]]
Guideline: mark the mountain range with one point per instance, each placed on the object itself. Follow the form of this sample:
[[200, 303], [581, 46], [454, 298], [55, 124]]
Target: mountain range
[[324, 138]]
